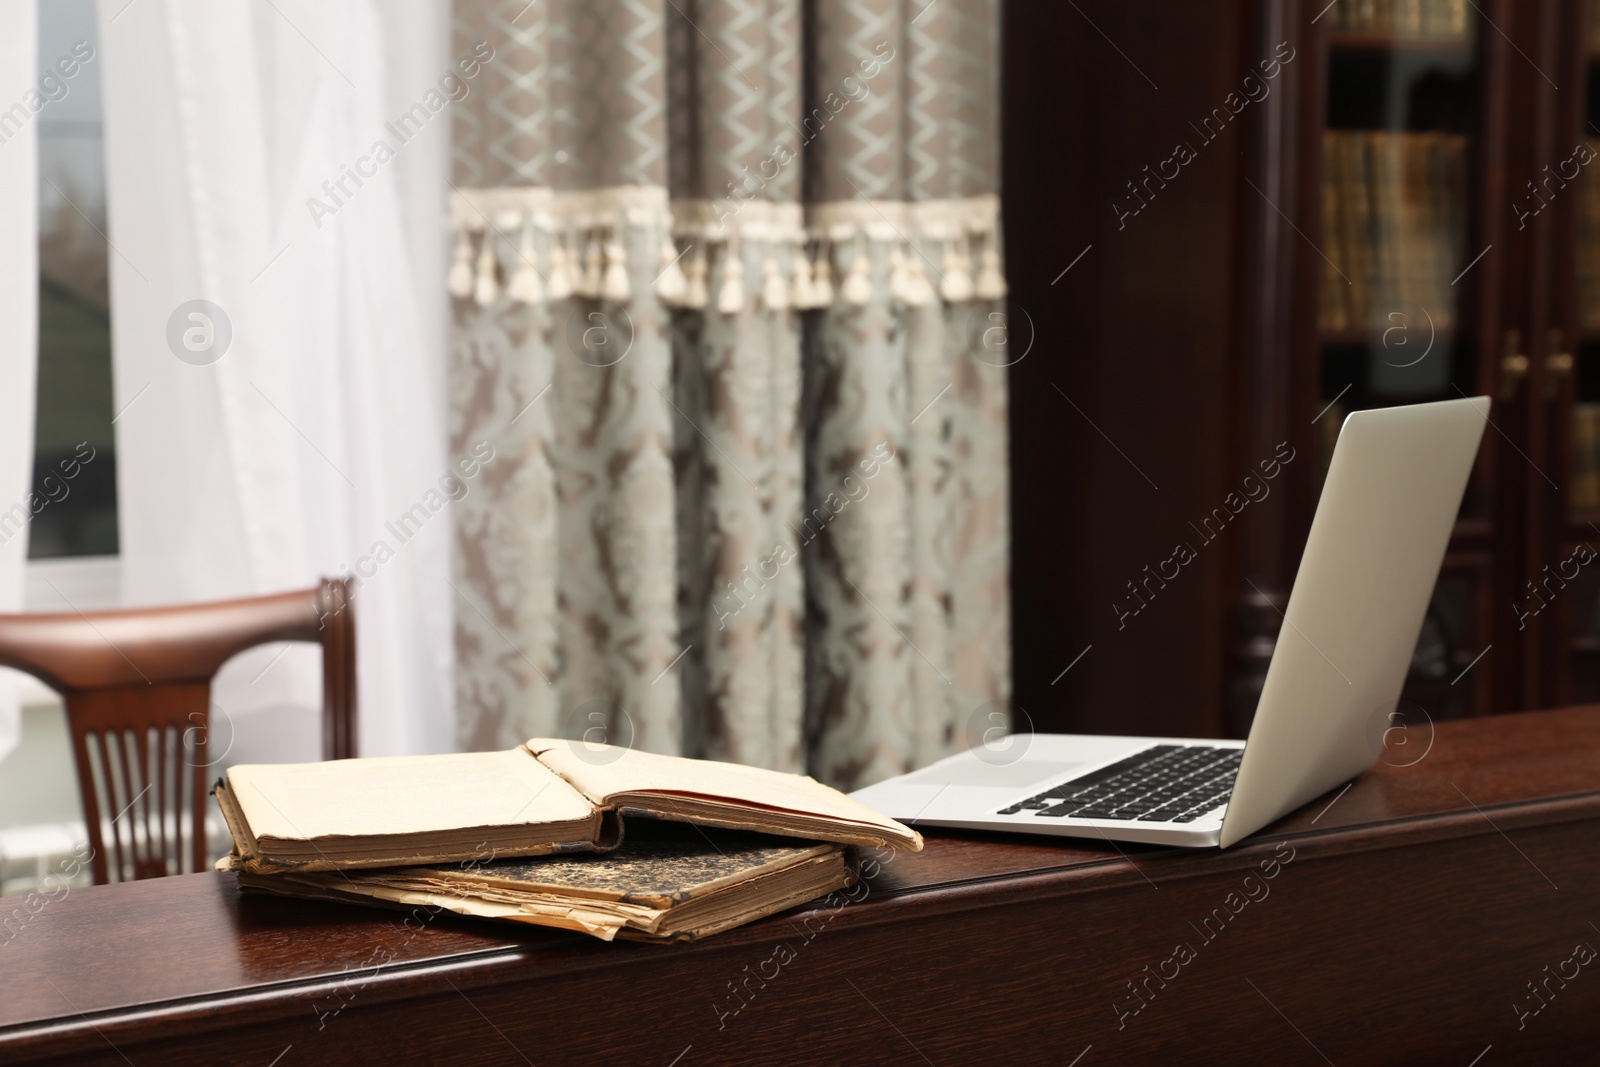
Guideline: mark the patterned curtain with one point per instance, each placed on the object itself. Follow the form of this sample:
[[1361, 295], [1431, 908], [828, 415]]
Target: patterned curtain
[[729, 309]]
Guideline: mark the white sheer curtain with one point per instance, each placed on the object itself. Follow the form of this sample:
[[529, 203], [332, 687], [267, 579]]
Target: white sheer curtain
[[291, 453], [19, 313]]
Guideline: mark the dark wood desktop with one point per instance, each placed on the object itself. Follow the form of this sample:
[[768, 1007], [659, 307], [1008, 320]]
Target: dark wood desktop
[[1441, 912]]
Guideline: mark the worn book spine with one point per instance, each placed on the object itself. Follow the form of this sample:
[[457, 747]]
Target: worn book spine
[[1425, 291], [1435, 232], [1386, 199], [1588, 266], [1407, 18], [1334, 306], [1586, 456], [1383, 16], [1447, 192], [1357, 225], [1408, 290], [1455, 201]]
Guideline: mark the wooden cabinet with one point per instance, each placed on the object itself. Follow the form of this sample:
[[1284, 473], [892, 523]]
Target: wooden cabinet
[[1392, 161], [1406, 210]]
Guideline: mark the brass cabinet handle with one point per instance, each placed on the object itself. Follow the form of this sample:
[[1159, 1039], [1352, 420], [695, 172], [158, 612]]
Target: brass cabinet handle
[[1557, 364], [1513, 366]]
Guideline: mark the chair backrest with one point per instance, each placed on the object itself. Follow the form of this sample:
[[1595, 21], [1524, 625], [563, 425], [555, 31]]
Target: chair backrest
[[137, 688]]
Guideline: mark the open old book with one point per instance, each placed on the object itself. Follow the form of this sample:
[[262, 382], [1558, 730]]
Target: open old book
[[542, 797]]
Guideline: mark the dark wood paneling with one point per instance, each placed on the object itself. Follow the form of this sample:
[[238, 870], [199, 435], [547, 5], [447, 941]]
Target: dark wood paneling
[[1140, 337]]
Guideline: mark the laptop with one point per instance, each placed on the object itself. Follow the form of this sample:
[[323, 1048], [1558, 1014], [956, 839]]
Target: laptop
[[1392, 493]]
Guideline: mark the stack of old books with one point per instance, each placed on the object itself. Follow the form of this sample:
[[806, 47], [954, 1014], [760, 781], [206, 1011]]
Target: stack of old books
[[594, 838]]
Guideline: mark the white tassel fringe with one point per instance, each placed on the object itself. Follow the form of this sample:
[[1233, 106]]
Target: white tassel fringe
[[857, 288], [525, 285], [730, 298], [671, 285], [486, 289], [460, 282], [616, 287]]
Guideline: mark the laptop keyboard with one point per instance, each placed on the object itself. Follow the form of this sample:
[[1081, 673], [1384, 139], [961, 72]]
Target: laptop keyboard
[[1163, 783]]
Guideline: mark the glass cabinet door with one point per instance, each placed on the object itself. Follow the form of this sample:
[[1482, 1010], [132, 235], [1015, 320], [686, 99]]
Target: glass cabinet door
[[1398, 309]]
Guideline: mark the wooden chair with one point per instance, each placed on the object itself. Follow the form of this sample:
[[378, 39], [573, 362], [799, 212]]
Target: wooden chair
[[137, 687]]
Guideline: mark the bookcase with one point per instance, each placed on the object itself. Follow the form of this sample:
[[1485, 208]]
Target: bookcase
[[1410, 212], [1450, 246], [1399, 129]]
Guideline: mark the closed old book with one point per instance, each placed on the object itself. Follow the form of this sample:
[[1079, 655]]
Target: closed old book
[[1444, 18], [1383, 16], [1442, 219], [1588, 267], [1356, 214], [1388, 203], [668, 882], [1422, 265], [545, 796], [1452, 200], [1585, 457], [1334, 307], [1407, 18]]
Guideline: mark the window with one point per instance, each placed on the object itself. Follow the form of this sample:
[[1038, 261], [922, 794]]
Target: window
[[74, 467]]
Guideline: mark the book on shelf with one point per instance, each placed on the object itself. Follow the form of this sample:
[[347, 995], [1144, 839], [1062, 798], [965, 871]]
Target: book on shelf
[[1585, 491], [1401, 18], [667, 882], [543, 797], [1333, 309], [1588, 250], [1385, 295], [1393, 225]]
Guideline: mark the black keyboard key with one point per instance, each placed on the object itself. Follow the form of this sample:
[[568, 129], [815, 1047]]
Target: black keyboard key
[[1205, 807], [1161, 815]]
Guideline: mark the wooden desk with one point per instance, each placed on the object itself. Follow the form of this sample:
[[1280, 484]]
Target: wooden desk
[[1401, 924]]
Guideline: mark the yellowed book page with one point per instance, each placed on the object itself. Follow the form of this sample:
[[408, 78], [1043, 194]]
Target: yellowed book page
[[604, 771], [402, 795], [596, 922]]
